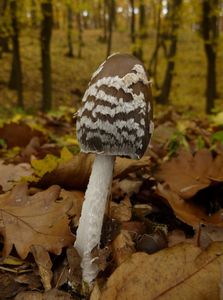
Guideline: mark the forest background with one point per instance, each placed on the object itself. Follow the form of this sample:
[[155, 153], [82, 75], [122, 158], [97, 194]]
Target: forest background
[[49, 49]]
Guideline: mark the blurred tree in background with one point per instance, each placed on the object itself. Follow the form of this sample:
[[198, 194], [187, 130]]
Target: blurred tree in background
[[58, 43]]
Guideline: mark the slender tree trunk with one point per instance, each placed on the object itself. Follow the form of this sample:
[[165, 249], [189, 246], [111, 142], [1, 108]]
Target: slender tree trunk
[[15, 81], [142, 28], [45, 39], [159, 41], [70, 31], [80, 34], [110, 26], [210, 35], [3, 37], [105, 23], [163, 98], [33, 13], [132, 22]]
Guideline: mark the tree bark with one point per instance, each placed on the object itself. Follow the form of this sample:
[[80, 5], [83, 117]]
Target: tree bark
[[163, 98], [45, 39], [4, 45], [142, 28], [15, 81], [33, 13], [210, 36], [105, 23], [111, 7], [80, 34], [132, 22], [70, 52]]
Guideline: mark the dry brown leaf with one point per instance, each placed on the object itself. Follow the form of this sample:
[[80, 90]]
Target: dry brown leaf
[[11, 174], [8, 286], [221, 283], [178, 236], [180, 272], [74, 174], [122, 211], [34, 220], [96, 293], [187, 174], [187, 211], [44, 264], [53, 294], [209, 234], [19, 134], [124, 166], [77, 198], [123, 247]]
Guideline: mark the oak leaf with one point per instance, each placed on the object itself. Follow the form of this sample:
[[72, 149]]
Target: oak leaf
[[180, 272], [187, 174], [187, 211], [40, 219], [11, 174]]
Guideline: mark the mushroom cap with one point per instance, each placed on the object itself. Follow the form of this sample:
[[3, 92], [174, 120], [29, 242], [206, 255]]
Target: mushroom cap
[[116, 115]]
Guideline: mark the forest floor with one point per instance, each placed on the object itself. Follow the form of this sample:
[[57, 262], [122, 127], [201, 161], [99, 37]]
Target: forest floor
[[162, 235], [71, 75]]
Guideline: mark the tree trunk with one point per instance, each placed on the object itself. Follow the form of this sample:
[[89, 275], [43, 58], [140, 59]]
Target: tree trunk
[[105, 23], [33, 13], [152, 70], [45, 39], [141, 36], [132, 22], [210, 36], [70, 52], [15, 81], [163, 98], [80, 34], [111, 7], [3, 36]]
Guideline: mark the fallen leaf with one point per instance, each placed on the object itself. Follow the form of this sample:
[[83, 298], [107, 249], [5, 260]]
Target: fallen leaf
[[221, 283], [124, 166], [8, 286], [180, 272], [123, 247], [209, 234], [121, 211], [53, 294], [77, 198], [75, 173], [96, 293], [187, 211], [34, 220], [44, 264], [19, 134], [11, 174], [187, 174]]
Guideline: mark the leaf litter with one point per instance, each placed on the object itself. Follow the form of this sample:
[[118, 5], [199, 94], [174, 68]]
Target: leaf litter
[[162, 234]]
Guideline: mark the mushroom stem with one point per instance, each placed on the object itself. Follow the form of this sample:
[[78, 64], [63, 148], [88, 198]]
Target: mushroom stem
[[91, 220]]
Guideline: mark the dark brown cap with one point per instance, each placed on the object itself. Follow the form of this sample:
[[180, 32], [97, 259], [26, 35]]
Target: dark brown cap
[[116, 116]]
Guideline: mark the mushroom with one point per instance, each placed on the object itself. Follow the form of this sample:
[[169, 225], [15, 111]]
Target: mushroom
[[115, 119]]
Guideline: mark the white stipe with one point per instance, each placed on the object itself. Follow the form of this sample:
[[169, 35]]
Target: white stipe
[[91, 220]]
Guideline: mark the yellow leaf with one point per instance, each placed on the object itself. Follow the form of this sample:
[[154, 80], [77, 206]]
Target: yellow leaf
[[65, 155], [218, 119], [12, 261], [45, 165]]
